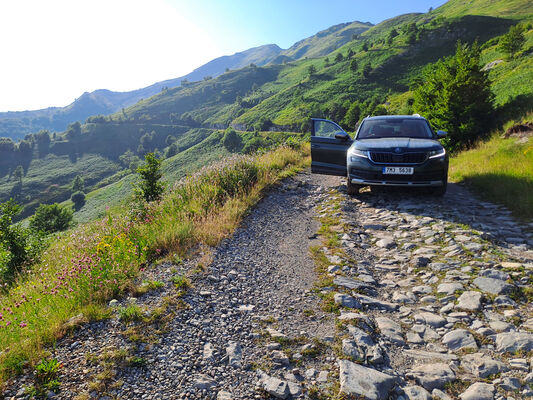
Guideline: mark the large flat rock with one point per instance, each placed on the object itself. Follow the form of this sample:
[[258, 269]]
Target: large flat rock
[[431, 319], [430, 355], [459, 339], [365, 382], [492, 286], [482, 365], [469, 301], [351, 283], [478, 391], [433, 376], [372, 302], [514, 341]]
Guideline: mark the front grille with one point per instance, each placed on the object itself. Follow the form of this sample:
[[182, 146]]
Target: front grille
[[378, 176], [392, 158]]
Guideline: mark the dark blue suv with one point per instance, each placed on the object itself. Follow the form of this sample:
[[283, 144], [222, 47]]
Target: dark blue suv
[[392, 150]]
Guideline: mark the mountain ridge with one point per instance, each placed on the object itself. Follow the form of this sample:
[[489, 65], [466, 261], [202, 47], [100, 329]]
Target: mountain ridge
[[16, 124]]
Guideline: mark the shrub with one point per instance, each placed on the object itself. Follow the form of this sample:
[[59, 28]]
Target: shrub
[[253, 145], [18, 245], [51, 218], [231, 140], [78, 184], [172, 150], [46, 373], [78, 199], [131, 313]]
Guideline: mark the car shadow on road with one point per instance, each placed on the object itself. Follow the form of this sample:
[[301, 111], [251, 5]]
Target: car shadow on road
[[457, 206]]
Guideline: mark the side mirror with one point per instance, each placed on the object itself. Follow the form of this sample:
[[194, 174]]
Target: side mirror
[[441, 134], [342, 136]]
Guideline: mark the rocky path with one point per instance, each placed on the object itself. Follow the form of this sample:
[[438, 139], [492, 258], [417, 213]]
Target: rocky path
[[442, 295], [389, 294]]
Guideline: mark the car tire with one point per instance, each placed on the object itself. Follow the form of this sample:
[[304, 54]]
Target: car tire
[[351, 188]]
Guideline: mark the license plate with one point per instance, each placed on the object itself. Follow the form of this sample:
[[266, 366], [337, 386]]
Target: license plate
[[398, 170]]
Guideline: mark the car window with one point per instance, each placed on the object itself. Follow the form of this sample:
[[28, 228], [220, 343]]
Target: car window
[[326, 129], [395, 127]]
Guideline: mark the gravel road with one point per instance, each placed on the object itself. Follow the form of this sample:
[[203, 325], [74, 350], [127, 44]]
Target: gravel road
[[419, 298]]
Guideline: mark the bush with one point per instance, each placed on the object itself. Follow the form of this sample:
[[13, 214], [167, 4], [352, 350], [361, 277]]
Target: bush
[[253, 145], [51, 218], [78, 198], [231, 140], [19, 246], [78, 184], [172, 150]]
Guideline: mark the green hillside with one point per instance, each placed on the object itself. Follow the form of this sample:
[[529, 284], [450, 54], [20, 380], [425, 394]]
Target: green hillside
[[207, 149]]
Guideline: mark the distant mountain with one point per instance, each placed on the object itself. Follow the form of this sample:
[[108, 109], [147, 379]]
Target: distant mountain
[[16, 124]]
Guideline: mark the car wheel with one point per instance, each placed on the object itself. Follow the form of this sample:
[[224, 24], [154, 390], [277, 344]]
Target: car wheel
[[352, 189]]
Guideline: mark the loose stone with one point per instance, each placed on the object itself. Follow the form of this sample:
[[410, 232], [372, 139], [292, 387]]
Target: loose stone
[[513, 342], [276, 387], [416, 393], [469, 301], [459, 339], [433, 376], [478, 391]]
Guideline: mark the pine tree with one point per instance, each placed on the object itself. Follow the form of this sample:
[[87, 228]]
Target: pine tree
[[150, 187], [456, 96], [512, 42]]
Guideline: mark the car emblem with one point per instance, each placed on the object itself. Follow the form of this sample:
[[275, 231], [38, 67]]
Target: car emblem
[[397, 150]]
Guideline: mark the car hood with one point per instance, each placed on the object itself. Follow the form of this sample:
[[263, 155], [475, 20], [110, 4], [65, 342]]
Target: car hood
[[390, 144]]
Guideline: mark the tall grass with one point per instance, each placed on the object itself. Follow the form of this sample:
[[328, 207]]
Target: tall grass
[[95, 262], [501, 171]]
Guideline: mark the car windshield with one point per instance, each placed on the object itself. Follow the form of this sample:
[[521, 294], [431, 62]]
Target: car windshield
[[395, 127]]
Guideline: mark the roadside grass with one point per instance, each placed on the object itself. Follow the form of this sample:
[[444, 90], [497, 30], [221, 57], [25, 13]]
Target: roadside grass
[[92, 263], [501, 171]]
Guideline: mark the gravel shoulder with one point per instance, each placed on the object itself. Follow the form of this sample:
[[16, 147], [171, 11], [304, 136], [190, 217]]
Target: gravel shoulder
[[417, 298]]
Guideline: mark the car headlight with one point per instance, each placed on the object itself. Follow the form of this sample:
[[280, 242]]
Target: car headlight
[[354, 153], [437, 153]]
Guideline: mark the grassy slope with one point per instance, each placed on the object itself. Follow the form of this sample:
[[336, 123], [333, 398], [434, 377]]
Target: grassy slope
[[285, 93], [209, 149], [174, 168], [326, 41], [48, 179], [500, 170], [511, 79], [503, 8]]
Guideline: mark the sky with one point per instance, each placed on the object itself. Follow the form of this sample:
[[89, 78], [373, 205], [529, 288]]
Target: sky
[[54, 50]]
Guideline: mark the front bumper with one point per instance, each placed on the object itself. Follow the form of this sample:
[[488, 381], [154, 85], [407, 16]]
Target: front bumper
[[365, 182], [431, 173]]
